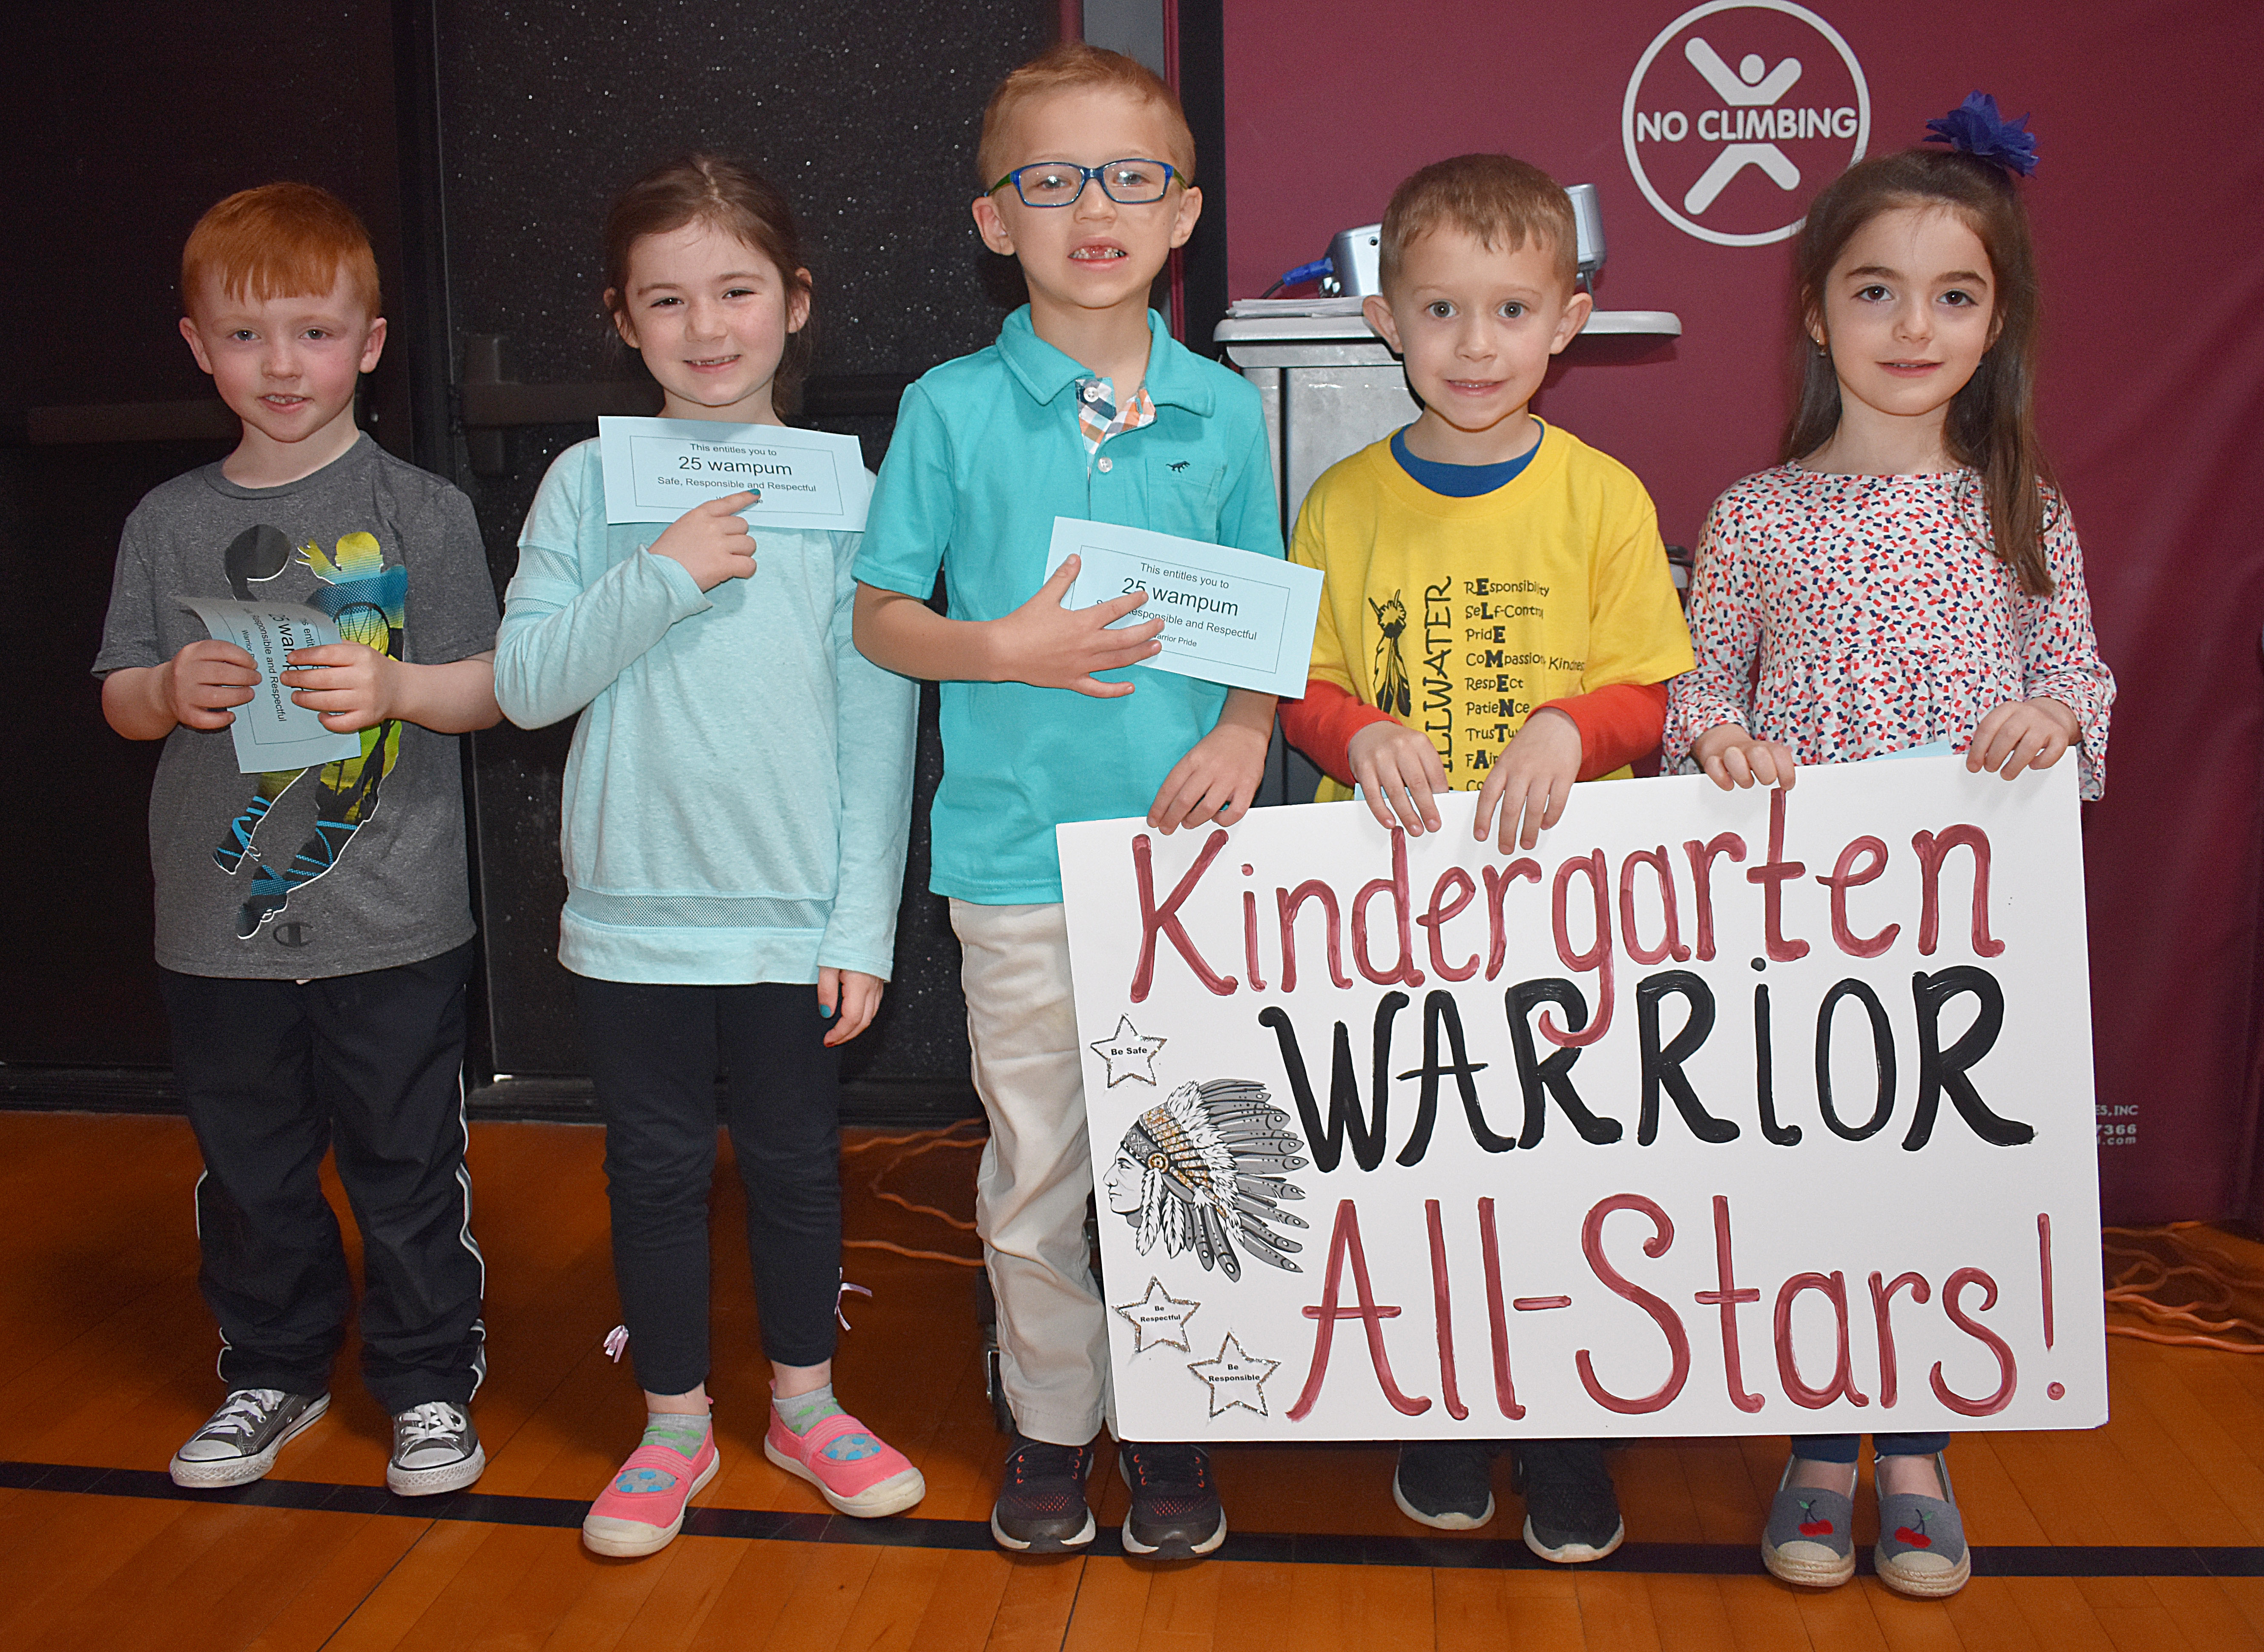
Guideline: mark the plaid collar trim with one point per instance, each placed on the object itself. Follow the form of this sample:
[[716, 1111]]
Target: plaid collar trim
[[1099, 417]]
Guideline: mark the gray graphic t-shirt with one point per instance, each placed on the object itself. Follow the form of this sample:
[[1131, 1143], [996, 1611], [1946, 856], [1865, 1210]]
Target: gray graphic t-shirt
[[315, 872]]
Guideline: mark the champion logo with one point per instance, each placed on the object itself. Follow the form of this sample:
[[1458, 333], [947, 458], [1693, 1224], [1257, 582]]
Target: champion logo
[[1738, 112]]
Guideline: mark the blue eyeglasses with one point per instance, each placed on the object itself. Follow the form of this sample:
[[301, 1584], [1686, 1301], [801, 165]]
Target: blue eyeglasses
[[1128, 183]]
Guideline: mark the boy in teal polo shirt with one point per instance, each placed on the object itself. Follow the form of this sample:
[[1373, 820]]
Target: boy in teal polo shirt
[[1085, 407]]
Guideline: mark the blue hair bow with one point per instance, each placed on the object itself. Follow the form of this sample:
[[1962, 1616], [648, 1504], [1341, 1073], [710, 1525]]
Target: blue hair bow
[[1976, 127]]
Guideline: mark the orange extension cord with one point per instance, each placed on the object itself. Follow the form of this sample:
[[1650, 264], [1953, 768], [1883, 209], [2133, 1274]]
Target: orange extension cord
[[967, 1133], [2208, 1294]]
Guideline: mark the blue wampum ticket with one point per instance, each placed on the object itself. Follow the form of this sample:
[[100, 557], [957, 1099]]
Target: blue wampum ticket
[[274, 732], [656, 470], [1229, 616]]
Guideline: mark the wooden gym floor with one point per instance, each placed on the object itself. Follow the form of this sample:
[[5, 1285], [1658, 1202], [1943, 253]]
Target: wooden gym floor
[[2147, 1535]]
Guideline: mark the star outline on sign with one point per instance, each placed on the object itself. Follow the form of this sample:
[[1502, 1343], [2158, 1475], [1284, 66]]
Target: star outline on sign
[[1126, 1052], [1234, 1366], [1157, 1309]]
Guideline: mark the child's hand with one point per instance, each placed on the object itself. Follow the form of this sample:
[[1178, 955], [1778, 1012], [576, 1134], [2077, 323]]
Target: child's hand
[[1532, 780], [2020, 734], [1214, 783], [852, 997], [1734, 758], [206, 678], [1049, 645], [711, 541], [350, 685], [1399, 769]]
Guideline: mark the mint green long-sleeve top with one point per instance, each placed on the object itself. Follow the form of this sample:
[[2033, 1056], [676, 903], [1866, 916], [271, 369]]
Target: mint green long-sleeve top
[[738, 795]]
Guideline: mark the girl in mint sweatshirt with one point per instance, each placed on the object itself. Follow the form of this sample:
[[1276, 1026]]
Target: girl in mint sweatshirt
[[736, 805]]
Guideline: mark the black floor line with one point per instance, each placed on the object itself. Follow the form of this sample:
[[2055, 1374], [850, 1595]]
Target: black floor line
[[1297, 1548]]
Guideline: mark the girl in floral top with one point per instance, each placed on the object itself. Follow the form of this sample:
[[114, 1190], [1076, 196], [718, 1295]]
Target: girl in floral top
[[1906, 576]]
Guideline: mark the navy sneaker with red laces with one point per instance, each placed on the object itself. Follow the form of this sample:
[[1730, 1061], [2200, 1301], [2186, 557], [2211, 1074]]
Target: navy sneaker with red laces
[[1175, 1509], [1041, 1508]]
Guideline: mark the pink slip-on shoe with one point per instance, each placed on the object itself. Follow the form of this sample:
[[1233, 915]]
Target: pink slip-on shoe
[[642, 1508], [854, 1468]]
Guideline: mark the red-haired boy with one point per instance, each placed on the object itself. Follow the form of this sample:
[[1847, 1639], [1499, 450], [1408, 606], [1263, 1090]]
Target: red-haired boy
[[314, 925]]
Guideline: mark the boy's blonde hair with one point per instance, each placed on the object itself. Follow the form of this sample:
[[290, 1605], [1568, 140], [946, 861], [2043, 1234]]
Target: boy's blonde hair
[[1502, 202], [1073, 66], [279, 241]]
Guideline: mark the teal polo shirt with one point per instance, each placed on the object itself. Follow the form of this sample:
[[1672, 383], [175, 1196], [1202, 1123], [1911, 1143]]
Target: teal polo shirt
[[986, 454]]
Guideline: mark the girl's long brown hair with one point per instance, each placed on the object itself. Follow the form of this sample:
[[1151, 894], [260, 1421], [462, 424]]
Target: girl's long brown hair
[[709, 189], [1991, 426]]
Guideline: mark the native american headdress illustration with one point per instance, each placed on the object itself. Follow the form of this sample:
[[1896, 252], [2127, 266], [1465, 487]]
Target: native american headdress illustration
[[1204, 1166]]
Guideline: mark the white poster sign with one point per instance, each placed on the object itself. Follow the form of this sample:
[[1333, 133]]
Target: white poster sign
[[1717, 1113]]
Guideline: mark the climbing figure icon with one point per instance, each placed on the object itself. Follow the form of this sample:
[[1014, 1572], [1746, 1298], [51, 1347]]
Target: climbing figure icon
[[1750, 85]]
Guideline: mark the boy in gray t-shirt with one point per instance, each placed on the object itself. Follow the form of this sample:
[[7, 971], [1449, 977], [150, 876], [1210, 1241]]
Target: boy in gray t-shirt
[[314, 926]]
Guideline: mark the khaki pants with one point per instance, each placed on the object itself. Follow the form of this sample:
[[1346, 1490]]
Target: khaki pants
[[1036, 1173]]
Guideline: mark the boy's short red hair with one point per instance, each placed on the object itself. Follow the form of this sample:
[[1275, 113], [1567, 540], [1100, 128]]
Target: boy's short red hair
[[1074, 66], [1499, 201], [279, 241]]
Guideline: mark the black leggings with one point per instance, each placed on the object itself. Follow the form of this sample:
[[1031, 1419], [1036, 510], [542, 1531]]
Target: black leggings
[[654, 1054]]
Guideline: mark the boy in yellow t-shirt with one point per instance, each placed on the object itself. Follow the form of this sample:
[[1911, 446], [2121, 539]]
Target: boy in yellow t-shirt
[[1498, 615], [1483, 567]]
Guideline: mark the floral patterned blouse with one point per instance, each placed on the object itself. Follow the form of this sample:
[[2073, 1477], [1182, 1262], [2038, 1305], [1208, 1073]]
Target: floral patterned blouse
[[1851, 616]]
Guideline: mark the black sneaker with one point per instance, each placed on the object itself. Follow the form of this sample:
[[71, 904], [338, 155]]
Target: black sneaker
[[1175, 1511], [1572, 1513], [435, 1449], [1041, 1508], [1447, 1483], [238, 1442]]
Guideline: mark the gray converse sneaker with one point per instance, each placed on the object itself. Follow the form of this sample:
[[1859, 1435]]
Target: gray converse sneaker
[[238, 1442], [435, 1449]]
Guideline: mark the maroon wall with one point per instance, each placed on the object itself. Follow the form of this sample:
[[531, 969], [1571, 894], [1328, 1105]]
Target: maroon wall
[[2146, 206]]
